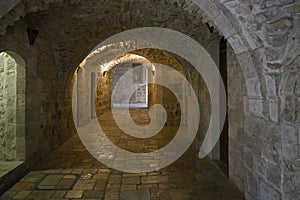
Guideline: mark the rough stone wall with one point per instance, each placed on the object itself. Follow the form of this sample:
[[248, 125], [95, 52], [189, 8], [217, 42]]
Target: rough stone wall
[[104, 92], [287, 135], [237, 135], [264, 36], [43, 109], [263, 154], [202, 93], [8, 106]]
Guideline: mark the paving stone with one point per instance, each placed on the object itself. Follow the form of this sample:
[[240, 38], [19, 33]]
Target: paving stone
[[101, 176], [21, 195], [135, 195], [155, 179], [75, 194], [65, 184], [100, 184], [128, 187], [59, 194], [111, 196], [86, 176], [131, 180], [69, 176], [93, 194], [23, 186], [90, 171], [9, 194], [35, 194], [67, 171], [147, 186], [84, 184], [115, 179], [77, 171], [103, 171], [51, 180], [113, 188], [133, 175], [46, 187], [33, 177], [53, 171]]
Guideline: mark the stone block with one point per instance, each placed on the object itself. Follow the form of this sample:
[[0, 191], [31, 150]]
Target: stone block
[[291, 182], [256, 107], [84, 184], [238, 43], [255, 144], [290, 146], [135, 195], [248, 67], [227, 28], [289, 112], [241, 135], [154, 179], [76, 194], [274, 174], [260, 166], [274, 109], [252, 183], [271, 152], [266, 191], [256, 126], [247, 156]]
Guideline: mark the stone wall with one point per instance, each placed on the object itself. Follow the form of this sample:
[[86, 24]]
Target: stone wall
[[264, 151], [45, 118], [286, 135], [104, 92], [8, 107], [87, 104], [237, 135]]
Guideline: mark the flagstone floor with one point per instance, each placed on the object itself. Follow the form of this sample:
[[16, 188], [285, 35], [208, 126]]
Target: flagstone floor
[[71, 172]]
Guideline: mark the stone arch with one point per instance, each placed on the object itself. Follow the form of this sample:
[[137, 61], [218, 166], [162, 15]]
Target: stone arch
[[91, 64], [246, 55], [13, 86], [244, 47], [232, 18], [290, 96]]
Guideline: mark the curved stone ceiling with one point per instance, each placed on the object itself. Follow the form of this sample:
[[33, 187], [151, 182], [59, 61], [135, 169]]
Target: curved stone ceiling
[[272, 24]]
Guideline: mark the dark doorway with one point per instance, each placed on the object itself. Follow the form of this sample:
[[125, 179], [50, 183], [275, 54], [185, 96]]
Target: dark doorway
[[224, 134]]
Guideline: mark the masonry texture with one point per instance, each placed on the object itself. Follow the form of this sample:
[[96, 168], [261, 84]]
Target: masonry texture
[[262, 72], [8, 107]]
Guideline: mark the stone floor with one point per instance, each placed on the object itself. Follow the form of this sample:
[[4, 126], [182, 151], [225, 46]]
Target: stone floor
[[70, 172]]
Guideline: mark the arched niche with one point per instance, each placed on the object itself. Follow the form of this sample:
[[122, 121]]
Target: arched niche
[[12, 110]]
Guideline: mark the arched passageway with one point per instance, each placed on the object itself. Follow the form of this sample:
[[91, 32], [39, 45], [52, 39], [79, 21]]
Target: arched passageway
[[262, 66]]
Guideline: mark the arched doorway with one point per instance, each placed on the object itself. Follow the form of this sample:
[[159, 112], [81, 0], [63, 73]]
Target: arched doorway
[[12, 111], [139, 77]]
